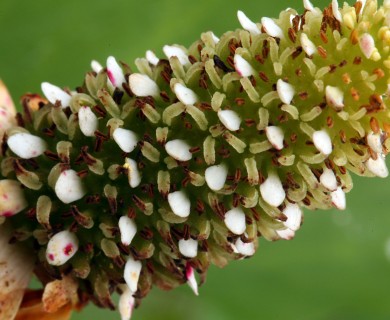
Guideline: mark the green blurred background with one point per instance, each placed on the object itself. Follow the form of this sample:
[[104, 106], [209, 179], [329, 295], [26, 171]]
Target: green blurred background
[[336, 268]]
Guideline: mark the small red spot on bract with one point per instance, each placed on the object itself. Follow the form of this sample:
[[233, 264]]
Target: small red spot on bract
[[111, 77], [68, 249], [189, 271], [7, 214], [51, 256], [5, 196]]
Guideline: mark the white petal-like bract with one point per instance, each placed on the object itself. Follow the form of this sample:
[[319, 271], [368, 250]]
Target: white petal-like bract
[[184, 94], [26, 145], [322, 142], [230, 119], [133, 173], [243, 67], [275, 136], [175, 51], [152, 58], [12, 199], [293, 212], [338, 198], [142, 86], [126, 139], [180, 203], [247, 24], [88, 121], [61, 247], [69, 187], [285, 91], [54, 94], [245, 248], [131, 273], [215, 176], [188, 248], [328, 179], [235, 221], [334, 97], [115, 73], [128, 229], [178, 149], [272, 190], [272, 28], [378, 166]]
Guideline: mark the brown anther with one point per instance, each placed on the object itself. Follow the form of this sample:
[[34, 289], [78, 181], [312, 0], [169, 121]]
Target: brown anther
[[131, 213], [265, 50], [203, 81], [343, 63], [239, 101], [200, 208], [88, 247], [358, 152], [186, 231], [237, 175], [346, 78], [123, 249], [51, 155], [93, 199], [292, 35], [259, 58], [47, 131], [205, 106], [379, 72], [343, 136], [185, 182], [306, 201], [373, 154], [355, 94], [192, 59], [374, 124], [354, 37], [342, 169], [386, 128], [357, 60], [329, 164], [248, 220], [236, 199], [322, 52], [297, 52], [250, 122], [261, 177], [83, 173], [166, 76], [295, 23], [164, 96], [358, 7], [100, 111], [303, 95], [263, 76], [255, 214], [332, 68], [31, 214], [293, 137], [194, 150], [298, 72], [138, 202], [323, 36], [329, 122], [230, 61], [200, 48], [146, 233], [232, 47]]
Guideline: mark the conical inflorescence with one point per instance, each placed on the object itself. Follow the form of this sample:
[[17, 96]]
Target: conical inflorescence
[[142, 178]]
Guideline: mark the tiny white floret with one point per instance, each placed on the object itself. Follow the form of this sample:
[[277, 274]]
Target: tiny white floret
[[133, 173], [191, 280], [378, 166], [235, 221], [126, 303], [180, 203], [272, 28], [275, 136], [188, 248], [286, 234], [308, 5], [374, 142], [12, 199], [96, 66], [126, 139], [142, 86], [69, 187], [367, 44], [293, 212], [115, 73], [334, 97], [336, 11], [285, 91], [61, 247], [308, 46], [26, 145], [178, 149], [131, 273], [175, 51], [272, 190], [243, 67], [247, 24], [338, 198], [88, 121], [245, 248], [128, 229], [54, 94], [215, 176], [322, 142], [328, 179], [184, 94], [152, 58], [230, 119]]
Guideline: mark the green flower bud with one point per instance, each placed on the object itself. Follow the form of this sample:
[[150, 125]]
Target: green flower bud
[[141, 178]]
